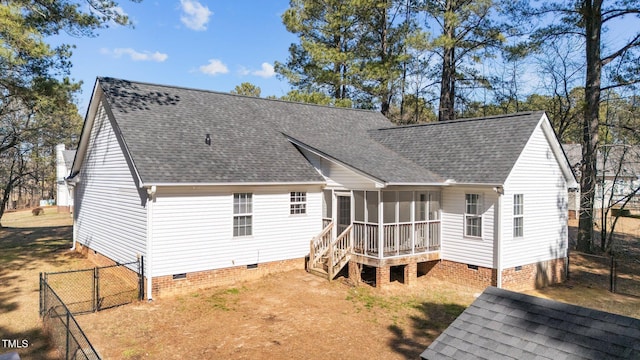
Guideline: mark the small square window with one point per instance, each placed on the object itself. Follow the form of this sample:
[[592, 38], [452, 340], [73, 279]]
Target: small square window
[[298, 203]]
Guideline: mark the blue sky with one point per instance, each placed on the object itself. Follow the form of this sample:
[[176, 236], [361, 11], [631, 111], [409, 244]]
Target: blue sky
[[213, 45]]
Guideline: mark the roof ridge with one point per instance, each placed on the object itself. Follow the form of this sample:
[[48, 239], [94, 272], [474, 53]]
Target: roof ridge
[[232, 95], [490, 117]]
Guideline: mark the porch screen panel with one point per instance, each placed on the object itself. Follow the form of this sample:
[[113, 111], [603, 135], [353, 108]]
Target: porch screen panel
[[434, 206], [372, 207], [421, 206], [405, 206], [389, 207], [358, 198]]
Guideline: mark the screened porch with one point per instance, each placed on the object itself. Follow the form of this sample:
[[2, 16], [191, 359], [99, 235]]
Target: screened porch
[[385, 223]]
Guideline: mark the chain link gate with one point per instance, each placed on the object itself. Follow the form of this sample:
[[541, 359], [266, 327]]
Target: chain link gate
[[65, 293]]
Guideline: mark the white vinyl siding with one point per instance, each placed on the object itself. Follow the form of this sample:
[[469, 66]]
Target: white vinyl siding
[[193, 232], [455, 245], [110, 214], [338, 176], [538, 178]]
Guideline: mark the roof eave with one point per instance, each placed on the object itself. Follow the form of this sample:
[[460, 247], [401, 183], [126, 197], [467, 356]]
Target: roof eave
[[236, 183]]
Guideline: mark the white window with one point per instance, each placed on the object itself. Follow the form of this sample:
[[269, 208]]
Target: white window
[[242, 214], [518, 215], [473, 215], [298, 203]]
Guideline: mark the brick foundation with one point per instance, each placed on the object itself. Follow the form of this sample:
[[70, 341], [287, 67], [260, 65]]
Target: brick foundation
[[534, 276], [94, 256], [527, 277], [167, 285], [460, 273]]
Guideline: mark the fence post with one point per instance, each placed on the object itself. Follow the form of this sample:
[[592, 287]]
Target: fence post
[[68, 331], [40, 293], [612, 275], [96, 285]]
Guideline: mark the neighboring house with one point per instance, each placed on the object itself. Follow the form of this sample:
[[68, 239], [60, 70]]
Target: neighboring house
[[502, 324], [211, 188], [64, 194], [618, 176]]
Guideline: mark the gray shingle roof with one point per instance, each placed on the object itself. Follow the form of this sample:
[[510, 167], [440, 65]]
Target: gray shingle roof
[[502, 324], [164, 129], [478, 150]]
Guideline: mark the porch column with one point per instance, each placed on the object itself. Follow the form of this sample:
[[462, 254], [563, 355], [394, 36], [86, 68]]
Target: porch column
[[354, 272], [383, 274], [380, 231], [411, 273]]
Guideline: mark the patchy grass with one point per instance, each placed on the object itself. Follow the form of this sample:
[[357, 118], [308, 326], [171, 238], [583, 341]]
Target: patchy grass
[[292, 315]]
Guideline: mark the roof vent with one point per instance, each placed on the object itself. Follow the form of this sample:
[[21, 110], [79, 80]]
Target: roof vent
[[207, 139]]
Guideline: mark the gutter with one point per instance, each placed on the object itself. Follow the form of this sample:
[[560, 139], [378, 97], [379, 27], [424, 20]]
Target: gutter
[[182, 184]]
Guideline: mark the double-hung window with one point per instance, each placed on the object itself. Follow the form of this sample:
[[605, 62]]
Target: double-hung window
[[298, 203], [242, 214], [473, 215], [518, 215]]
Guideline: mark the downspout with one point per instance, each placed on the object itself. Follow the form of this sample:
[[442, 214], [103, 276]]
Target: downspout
[[74, 213], [151, 193], [500, 191]]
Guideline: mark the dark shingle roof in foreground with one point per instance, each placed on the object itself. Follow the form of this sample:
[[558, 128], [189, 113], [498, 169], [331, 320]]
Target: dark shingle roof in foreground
[[502, 324]]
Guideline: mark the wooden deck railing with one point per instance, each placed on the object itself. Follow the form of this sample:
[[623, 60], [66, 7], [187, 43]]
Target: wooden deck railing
[[397, 239]]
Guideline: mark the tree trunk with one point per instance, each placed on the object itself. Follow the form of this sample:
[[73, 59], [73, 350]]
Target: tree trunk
[[592, 13], [447, 90]]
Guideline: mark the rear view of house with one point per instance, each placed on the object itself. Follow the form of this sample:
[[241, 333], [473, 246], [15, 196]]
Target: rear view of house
[[212, 188]]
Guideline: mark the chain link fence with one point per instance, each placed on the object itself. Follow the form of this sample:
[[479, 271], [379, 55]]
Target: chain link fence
[[617, 274], [62, 328], [67, 293], [99, 288]]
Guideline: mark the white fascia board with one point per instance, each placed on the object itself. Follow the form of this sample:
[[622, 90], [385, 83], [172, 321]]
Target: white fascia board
[[85, 134], [559, 153], [319, 183]]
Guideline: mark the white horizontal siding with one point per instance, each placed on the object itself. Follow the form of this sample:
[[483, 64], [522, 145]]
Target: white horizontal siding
[[110, 216], [338, 176], [192, 229], [455, 245], [538, 176]]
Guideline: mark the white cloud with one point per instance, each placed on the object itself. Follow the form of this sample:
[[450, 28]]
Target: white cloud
[[214, 67], [136, 55], [266, 71], [195, 16]]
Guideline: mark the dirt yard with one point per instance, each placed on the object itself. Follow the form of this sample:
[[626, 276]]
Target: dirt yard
[[30, 245], [292, 315]]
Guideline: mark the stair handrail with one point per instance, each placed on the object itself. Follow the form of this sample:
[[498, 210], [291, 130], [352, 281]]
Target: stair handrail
[[339, 249], [320, 244]]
